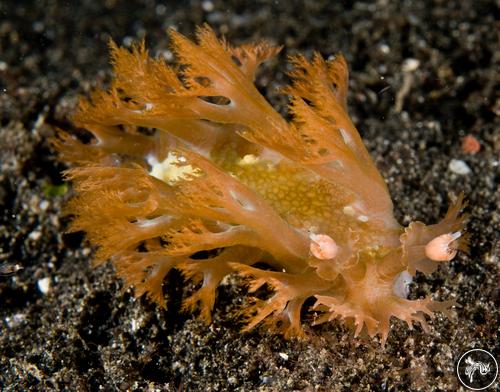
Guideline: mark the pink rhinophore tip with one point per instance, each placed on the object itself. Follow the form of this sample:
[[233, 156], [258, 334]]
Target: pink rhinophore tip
[[323, 247], [442, 248]]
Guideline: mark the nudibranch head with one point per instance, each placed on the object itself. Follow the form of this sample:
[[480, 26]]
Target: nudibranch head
[[443, 247]]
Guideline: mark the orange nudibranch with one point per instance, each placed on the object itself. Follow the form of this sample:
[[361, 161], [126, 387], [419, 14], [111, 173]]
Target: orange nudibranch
[[188, 167]]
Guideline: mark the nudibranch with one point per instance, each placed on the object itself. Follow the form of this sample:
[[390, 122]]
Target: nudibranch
[[188, 167]]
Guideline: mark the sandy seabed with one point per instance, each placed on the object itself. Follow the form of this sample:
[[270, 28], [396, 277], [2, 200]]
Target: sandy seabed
[[423, 76]]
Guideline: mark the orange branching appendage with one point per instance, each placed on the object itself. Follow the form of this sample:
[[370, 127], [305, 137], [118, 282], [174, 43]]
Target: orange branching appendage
[[189, 167]]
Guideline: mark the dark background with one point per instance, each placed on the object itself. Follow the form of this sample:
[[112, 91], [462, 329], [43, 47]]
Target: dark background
[[84, 333]]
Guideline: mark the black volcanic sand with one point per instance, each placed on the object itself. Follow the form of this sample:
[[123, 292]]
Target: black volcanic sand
[[83, 332]]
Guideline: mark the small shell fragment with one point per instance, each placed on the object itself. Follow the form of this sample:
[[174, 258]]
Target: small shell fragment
[[283, 356], [410, 65], [44, 285], [458, 166]]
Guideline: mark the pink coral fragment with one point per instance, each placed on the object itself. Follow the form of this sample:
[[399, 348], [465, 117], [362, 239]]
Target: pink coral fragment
[[470, 145]]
